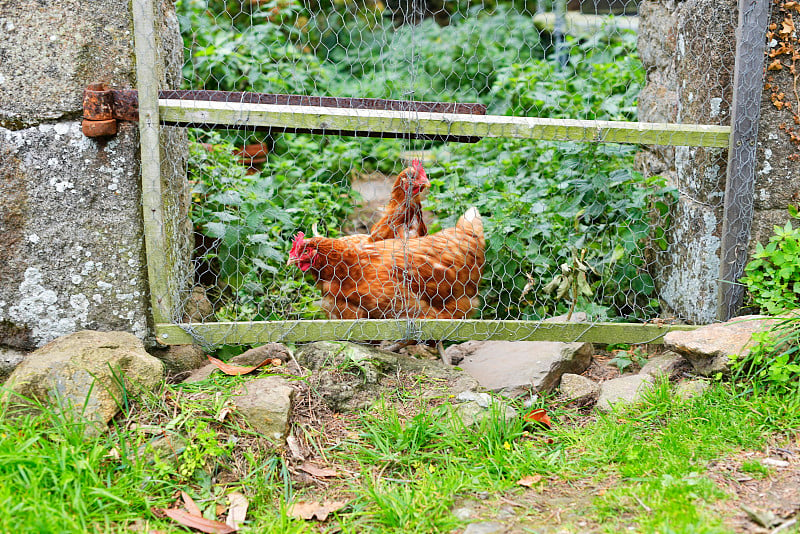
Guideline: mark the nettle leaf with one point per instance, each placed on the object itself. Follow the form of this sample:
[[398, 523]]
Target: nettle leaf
[[216, 229]]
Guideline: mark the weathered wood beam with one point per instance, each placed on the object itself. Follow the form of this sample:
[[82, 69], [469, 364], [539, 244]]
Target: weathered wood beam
[[381, 329], [363, 121], [161, 297]]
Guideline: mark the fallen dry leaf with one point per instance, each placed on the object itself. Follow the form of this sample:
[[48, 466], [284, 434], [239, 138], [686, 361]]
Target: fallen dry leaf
[[190, 505], [538, 416], [294, 447], [529, 480], [199, 523], [313, 509], [319, 472], [237, 512], [229, 369]]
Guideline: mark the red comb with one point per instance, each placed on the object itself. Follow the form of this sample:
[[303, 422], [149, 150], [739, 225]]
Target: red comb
[[297, 244], [421, 176]]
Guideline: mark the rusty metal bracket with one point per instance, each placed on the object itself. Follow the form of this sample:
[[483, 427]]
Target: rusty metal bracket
[[103, 107], [98, 111]]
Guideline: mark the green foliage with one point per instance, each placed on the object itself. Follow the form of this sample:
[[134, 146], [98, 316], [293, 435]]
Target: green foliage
[[262, 53], [250, 221], [774, 358], [547, 206], [625, 358], [601, 80], [459, 62], [773, 276], [546, 203]]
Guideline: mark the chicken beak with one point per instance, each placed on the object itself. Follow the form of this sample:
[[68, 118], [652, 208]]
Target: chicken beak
[[292, 261]]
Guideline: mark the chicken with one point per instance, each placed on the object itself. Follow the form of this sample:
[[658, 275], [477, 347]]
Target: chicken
[[434, 276], [403, 215]]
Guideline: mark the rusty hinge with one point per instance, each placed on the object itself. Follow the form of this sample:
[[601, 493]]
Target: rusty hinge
[[103, 107]]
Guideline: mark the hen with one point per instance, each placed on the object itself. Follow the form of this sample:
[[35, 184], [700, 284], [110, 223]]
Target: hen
[[434, 276], [402, 217]]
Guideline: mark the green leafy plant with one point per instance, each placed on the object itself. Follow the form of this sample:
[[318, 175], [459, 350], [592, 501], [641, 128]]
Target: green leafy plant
[[249, 221], [626, 358], [774, 359], [773, 276]]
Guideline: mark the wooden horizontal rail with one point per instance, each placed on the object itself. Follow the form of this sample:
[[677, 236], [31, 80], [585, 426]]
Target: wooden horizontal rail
[[393, 329], [435, 125], [100, 102]]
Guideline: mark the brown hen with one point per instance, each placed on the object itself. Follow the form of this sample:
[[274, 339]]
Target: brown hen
[[434, 276]]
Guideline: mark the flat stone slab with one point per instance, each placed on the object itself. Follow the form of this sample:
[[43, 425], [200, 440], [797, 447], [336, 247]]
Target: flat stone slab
[[623, 390], [514, 368], [709, 348]]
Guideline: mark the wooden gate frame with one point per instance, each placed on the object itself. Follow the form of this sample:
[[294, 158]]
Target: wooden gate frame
[[152, 110]]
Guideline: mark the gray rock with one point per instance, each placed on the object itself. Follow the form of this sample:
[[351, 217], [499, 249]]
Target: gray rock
[[486, 527], [513, 368], [483, 399], [663, 364], [710, 347], [70, 207], [53, 50], [348, 376], [691, 388], [463, 513], [266, 404], [9, 360], [80, 373], [257, 355], [181, 358], [578, 388], [198, 375], [674, 53], [473, 412], [623, 390]]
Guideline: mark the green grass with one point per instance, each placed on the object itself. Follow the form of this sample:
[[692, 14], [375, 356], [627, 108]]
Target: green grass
[[403, 469]]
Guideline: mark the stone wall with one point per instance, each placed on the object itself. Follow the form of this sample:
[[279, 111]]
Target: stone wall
[[688, 50], [71, 235]]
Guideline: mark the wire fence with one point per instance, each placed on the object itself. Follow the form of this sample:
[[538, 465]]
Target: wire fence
[[494, 161]]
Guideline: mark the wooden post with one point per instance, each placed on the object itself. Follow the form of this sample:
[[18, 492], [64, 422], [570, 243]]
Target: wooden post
[[740, 183], [144, 32]]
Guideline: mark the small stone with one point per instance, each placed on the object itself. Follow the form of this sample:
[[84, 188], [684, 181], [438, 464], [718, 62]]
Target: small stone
[[487, 527], [663, 364], [266, 404], [483, 399], [622, 390], [472, 412], [578, 388], [691, 388], [774, 462], [463, 513], [258, 354], [181, 358]]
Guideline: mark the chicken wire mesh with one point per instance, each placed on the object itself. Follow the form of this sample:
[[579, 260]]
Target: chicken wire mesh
[[567, 224]]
